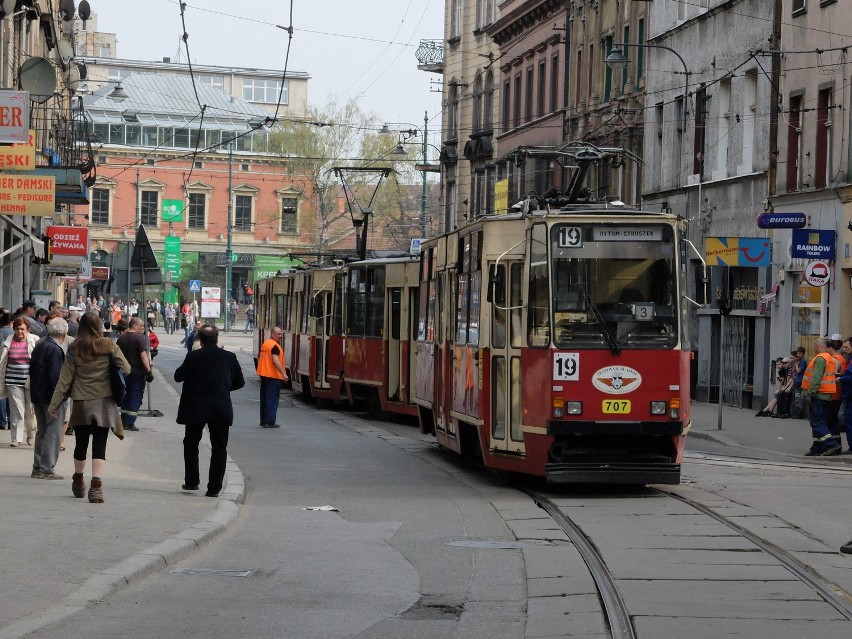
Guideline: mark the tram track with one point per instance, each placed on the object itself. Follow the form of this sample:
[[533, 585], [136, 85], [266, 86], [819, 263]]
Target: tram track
[[615, 609], [831, 593]]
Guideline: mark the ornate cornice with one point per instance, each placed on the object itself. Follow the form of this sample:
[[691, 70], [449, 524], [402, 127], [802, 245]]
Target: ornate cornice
[[525, 17]]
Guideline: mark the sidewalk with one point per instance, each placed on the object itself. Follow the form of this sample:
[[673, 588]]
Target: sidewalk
[[61, 553], [741, 429]]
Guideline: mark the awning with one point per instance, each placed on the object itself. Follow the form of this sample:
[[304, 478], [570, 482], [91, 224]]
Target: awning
[[38, 243]]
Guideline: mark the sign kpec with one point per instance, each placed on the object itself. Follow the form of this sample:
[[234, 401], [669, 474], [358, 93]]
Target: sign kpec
[[817, 273], [68, 240]]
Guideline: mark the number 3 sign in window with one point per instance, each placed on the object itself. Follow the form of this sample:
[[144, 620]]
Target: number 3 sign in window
[[566, 367]]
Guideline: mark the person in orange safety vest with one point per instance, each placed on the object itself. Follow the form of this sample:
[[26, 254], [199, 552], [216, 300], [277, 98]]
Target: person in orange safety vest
[[270, 369], [818, 386]]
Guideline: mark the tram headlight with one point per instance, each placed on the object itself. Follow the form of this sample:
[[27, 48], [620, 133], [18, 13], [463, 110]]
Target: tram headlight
[[674, 408], [658, 408], [574, 408]]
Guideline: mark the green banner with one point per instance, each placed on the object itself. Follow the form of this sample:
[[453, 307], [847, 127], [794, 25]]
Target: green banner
[[172, 258], [269, 265], [172, 210]]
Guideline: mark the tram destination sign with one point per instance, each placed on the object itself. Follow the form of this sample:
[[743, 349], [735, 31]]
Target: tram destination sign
[[781, 220]]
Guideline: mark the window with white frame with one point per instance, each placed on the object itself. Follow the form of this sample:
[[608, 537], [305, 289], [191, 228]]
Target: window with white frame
[[197, 214], [265, 91], [99, 206], [242, 212], [213, 80], [456, 19], [149, 208], [289, 214]]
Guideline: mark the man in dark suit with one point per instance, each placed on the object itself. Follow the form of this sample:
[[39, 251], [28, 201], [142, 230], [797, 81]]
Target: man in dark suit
[[208, 375]]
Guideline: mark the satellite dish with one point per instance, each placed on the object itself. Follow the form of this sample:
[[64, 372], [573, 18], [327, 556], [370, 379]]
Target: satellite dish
[[38, 78], [84, 10], [66, 52], [67, 9], [71, 77]]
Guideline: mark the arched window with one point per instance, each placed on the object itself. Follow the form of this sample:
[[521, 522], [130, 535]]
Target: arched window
[[488, 101], [477, 103]]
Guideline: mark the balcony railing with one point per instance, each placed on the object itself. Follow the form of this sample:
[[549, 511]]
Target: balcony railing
[[430, 56]]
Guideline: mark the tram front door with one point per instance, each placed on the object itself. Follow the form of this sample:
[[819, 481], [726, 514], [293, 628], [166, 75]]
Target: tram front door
[[506, 434]]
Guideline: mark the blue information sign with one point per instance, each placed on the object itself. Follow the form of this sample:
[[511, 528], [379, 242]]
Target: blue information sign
[[194, 286], [813, 244], [782, 220]]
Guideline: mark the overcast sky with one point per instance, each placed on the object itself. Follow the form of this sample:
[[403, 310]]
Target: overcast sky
[[351, 48]]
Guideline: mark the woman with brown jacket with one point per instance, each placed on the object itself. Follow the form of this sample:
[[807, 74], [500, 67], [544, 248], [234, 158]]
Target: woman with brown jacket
[[85, 376]]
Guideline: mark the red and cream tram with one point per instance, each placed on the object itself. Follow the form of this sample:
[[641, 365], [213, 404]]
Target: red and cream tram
[[550, 343], [346, 330]]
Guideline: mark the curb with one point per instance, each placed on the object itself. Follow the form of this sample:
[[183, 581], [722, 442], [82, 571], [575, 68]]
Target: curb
[[144, 563]]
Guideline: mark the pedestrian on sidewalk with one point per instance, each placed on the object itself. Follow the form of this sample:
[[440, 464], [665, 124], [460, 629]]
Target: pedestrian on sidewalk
[[270, 369], [134, 346], [209, 375], [798, 365], [249, 318], [834, 343], [818, 385], [45, 366], [845, 381], [86, 376], [778, 394], [15, 354]]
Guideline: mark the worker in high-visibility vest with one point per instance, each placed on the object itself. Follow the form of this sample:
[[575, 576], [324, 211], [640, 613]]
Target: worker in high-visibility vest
[[271, 370], [818, 386]]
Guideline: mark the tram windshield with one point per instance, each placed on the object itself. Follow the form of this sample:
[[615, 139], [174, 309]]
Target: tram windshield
[[614, 286]]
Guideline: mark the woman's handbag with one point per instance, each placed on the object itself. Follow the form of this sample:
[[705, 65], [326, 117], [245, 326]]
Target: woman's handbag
[[116, 380]]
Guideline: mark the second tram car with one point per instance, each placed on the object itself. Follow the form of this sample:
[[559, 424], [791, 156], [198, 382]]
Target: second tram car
[[346, 330]]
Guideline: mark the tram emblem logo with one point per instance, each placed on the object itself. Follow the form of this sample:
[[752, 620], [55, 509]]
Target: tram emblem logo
[[616, 380]]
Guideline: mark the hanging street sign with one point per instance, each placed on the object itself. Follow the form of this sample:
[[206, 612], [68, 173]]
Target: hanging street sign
[[14, 116], [738, 251], [817, 273], [781, 220], [68, 240], [813, 244], [172, 210]]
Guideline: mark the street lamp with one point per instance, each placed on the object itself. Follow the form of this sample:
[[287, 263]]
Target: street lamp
[[400, 150], [616, 60]]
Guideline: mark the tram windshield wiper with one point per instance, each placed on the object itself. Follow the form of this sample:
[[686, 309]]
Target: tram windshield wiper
[[610, 338]]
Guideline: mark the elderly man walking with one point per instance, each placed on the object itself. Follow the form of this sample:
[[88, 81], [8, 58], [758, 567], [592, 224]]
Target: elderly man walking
[[45, 365], [208, 375], [818, 386]]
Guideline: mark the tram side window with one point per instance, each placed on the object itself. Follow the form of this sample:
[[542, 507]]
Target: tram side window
[[423, 292], [538, 310], [305, 322], [337, 307], [468, 290], [279, 310], [365, 307]]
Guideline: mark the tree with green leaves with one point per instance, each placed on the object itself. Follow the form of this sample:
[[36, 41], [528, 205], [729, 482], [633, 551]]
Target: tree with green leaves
[[338, 135]]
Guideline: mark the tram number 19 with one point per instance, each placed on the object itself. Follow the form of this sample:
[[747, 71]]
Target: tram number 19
[[566, 367], [570, 237]]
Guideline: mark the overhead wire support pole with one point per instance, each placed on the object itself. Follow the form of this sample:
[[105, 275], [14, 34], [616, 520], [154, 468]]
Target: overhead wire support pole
[[362, 224], [229, 249]]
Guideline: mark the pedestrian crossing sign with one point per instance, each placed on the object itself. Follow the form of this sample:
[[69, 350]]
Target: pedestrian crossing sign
[[194, 286]]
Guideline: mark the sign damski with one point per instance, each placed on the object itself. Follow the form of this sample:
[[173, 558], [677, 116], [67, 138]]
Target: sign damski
[[68, 240]]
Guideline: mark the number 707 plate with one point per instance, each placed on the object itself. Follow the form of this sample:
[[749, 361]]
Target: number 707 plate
[[616, 406]]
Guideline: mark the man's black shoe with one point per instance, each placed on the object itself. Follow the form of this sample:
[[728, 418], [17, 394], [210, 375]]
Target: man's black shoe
[[831, 451], [813, 453], [131, 427], [846, 548], [209, 494], [271, 425], [190, 486]]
